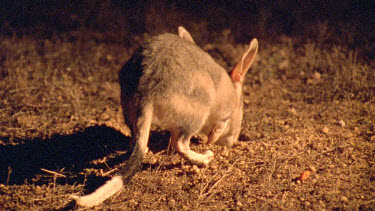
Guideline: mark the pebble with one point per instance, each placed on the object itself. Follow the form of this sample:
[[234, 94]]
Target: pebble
[[312, 168], [342, 123], [344, 199], [325, 130], [239, 203]]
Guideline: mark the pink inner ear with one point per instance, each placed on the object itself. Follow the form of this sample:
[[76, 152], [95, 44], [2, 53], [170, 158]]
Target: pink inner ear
[[239, 71], [236, 74]]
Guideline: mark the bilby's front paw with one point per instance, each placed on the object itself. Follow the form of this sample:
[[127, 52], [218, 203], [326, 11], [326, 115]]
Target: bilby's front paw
[[201, 160], [209, 154]]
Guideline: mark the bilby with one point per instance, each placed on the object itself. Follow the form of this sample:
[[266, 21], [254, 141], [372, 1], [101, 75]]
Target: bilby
[[173, 84]]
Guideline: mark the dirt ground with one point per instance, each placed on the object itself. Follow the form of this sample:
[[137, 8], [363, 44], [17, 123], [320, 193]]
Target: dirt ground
[[307, 140]]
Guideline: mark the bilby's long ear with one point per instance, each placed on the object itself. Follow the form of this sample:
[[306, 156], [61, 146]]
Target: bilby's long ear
[[185, 34], [241, 68]]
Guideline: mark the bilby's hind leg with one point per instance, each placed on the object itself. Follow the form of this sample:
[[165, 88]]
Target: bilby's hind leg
[[181, 143]]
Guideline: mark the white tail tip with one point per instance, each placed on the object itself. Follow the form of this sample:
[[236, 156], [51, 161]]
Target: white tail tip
[[111, 187]]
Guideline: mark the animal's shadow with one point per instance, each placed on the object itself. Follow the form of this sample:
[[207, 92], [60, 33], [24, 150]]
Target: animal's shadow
[[23, 162]]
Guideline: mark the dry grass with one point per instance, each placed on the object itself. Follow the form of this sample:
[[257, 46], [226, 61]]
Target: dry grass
[[307, 107]]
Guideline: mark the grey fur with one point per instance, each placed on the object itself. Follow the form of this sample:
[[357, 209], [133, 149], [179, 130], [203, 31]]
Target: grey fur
[[171, 83], [186, 92]]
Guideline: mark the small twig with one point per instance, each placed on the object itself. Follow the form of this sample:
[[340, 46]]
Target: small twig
[[53, 172], [214, 185], [218, 181], [201, 195], [332, 149], [109, 172], [158, 153], [9, 172], [157, 169], [204, 188], [50, 197], [314, 155], [366, 202], [265, 200], [270, 175], [106, 164], [22, 89], [55, 175]]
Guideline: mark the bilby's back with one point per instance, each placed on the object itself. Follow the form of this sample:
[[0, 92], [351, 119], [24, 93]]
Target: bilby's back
[[182, 81]]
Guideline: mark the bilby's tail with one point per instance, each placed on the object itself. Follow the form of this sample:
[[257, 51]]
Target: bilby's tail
[[141, 134]]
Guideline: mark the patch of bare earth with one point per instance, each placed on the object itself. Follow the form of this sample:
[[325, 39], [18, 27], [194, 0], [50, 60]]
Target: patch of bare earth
[[61, 133]]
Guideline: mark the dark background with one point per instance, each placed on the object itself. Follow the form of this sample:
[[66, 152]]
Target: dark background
[[245, 18]]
